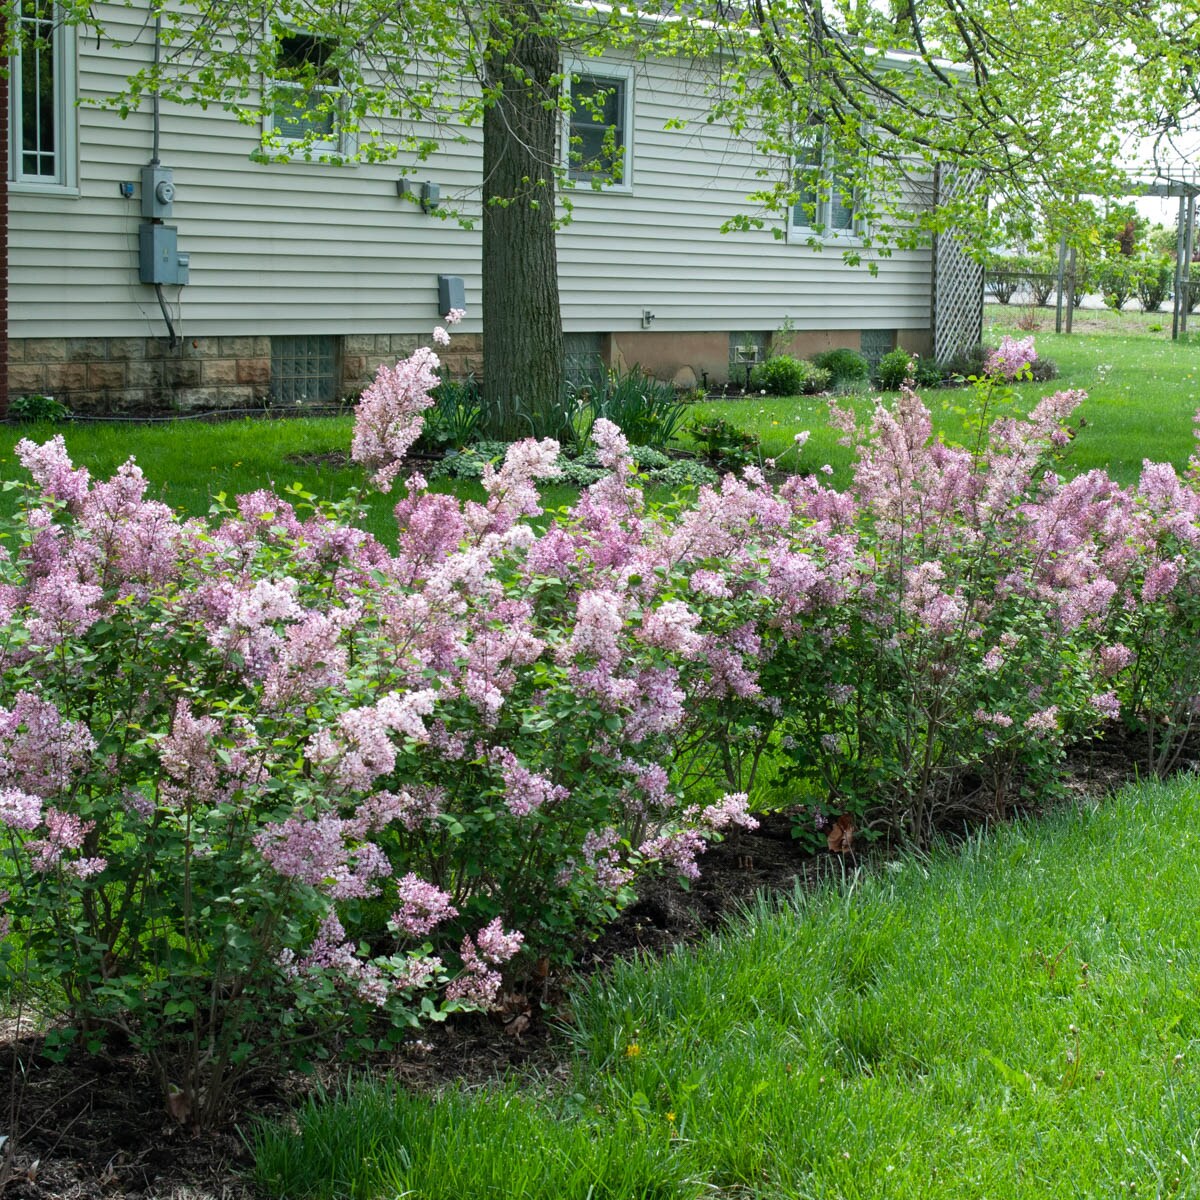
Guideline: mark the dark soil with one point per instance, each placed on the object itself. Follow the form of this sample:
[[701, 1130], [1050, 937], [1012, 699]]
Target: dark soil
[[95, 1126]]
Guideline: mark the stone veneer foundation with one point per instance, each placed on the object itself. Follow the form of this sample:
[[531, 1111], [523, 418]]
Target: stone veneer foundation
[[143, 375]]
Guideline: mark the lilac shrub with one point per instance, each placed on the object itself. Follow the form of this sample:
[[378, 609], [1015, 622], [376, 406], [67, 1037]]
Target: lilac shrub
[[264, 779], [954, 664], [1150, 654]]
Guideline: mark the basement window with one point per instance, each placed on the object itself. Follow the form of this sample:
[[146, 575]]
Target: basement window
[[305, 369]]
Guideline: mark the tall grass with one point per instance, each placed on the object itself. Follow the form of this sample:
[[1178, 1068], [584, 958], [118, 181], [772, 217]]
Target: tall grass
[[1017, 1019]]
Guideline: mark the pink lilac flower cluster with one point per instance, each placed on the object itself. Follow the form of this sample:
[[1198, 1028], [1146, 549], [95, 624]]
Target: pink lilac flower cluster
[[479, 984], [1014, 356], [422, 906]]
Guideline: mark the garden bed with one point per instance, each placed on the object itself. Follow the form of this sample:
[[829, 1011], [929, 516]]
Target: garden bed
[[93, 1127]]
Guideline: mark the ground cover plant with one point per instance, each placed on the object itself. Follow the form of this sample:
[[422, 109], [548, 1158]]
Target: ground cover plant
[[263, 763], [1014, 1018]]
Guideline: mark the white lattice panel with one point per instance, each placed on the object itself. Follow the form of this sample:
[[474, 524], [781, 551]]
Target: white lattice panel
[[957, 280]]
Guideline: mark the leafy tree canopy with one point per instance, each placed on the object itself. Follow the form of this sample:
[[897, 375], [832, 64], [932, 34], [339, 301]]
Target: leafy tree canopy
[[1035, 104]]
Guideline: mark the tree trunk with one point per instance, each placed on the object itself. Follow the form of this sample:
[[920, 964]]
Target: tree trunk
[[522, 322]]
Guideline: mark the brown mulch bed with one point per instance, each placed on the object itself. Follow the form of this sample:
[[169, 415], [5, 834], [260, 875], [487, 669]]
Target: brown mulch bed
[[95, 1127]]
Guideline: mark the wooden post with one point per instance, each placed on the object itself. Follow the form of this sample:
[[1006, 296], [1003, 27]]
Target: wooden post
[[1189, 244], [1071, 290], [1062, 262], [1180, 304]]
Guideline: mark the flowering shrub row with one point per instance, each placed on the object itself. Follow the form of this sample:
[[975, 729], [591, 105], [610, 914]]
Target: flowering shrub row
[[262, 776]]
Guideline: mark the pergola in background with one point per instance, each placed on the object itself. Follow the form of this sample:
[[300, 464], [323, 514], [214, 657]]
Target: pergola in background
[[1181, 181]]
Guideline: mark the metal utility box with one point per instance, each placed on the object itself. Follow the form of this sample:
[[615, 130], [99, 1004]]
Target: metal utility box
[[452, 293], [159, 260], [158, 192]]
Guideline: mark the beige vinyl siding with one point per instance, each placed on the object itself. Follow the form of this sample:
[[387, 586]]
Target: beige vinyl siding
[[296, 247], [659, 247], [309, 247]]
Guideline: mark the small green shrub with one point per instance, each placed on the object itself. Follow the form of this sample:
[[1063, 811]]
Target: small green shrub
[[966, 365], [1154, 283], [894, 368], [725, 445], [781, 375], [1117, 281], [845, 367], [1043, 370], [929, 373], [37, 408]]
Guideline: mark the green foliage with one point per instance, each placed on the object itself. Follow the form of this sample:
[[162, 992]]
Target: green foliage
[[847, 368], [894, 368], [1043, 369], [682, 474], [35, 407], [1117, 279], [967, 365], [1155, 282], [647, 410], [1042, 280], [783, 375], [456, 415], [725, 445], [468, 463]]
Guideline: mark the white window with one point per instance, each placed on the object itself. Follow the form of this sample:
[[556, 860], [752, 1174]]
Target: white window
[[305, 95], [599, 133], [41, 94], [825, 200]]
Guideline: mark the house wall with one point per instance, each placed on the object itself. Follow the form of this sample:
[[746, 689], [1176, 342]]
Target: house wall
[[311, 248]]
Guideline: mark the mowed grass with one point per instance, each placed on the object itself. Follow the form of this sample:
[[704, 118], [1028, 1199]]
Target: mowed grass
[[1017, 1018], [1143, 393]]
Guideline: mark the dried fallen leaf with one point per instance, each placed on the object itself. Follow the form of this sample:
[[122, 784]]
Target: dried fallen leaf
[[841, 834], [178, 1105], [517, 1026]]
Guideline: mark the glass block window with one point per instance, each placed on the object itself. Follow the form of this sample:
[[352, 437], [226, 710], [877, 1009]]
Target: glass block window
[[876, 343], [584, 359], [305, 369]]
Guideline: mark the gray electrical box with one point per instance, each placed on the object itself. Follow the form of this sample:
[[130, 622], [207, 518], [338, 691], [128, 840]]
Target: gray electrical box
[[159, 260], [158, 192], [451, 293]]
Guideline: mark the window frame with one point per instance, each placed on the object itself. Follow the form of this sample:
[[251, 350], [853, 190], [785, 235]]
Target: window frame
[[338, 146], [825, 194], [574, 72], [65, 180]]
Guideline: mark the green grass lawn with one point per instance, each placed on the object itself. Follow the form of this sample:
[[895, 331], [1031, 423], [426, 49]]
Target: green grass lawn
[[1143, 393], [1017, 1018]]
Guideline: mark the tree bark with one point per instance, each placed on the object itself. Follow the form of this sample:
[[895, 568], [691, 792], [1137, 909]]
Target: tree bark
[[522, 321]]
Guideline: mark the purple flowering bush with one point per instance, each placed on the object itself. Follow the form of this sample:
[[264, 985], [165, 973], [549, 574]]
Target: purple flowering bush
[[264, 779]]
